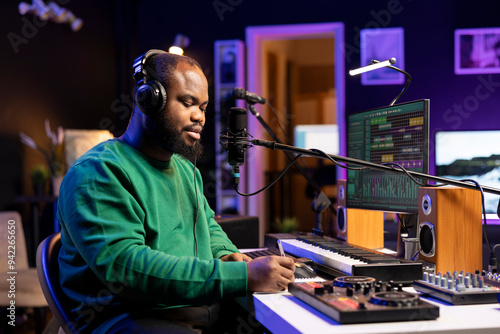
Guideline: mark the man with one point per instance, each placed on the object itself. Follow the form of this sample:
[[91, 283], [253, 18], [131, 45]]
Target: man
[[141, 250]]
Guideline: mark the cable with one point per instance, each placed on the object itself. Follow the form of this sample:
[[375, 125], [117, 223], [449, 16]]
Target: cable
[[485, 230], [278, 121], [411, 176], [197, 207], [403, 224], [272, 183], [408, 79], [335, 162]]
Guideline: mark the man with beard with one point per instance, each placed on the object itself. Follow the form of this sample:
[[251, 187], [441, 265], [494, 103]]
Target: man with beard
[[141, 249]]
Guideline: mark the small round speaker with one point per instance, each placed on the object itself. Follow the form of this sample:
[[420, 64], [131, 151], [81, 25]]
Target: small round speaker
[[341, 222]]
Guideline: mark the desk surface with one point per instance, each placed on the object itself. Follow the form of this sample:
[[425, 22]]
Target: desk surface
[[283, 313]]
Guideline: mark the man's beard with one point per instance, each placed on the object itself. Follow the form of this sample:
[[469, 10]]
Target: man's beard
[[163, 132]]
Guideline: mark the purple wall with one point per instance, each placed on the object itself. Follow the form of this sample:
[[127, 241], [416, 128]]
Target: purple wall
[[78, 79]]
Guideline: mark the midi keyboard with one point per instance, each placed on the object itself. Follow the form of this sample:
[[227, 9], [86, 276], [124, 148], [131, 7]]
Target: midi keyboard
[[353, 260]]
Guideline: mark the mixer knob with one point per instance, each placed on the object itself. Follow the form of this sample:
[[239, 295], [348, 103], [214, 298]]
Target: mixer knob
[[467, 281], [475, 281], [431, 278]]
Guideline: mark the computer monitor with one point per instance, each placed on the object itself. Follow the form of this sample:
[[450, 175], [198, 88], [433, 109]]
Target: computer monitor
[[471, 154], [324, 137], [399, 134]]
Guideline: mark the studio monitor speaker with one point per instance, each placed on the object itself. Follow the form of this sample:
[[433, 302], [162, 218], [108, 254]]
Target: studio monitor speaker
[[449, 228], [357, 226]]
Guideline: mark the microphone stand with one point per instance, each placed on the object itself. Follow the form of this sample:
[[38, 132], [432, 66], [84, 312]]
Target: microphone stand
[[321, 202], [287, 148]]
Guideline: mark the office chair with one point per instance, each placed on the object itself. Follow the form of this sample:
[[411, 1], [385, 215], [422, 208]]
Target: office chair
[[48, 273], [14, 268]]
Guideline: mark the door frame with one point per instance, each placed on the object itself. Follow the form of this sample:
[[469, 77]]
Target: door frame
[[255, 36]]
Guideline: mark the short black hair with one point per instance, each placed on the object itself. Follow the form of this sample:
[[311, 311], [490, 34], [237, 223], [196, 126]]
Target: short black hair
[[165, 64]]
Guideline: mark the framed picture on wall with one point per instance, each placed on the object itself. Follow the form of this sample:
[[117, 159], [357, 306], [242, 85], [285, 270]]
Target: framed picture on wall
[[477, 51], [382, 44]]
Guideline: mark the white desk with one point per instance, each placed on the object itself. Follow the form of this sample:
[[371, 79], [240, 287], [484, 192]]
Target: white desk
[[283, 313]]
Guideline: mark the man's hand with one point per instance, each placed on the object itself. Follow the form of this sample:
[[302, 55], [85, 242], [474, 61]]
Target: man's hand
[[270, 273], [238, 257]]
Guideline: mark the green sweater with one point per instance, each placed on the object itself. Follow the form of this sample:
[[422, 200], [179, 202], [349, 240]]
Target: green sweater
[[127, 225]]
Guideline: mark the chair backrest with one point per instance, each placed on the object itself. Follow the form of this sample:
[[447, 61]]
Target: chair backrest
[[11, 230], [47, 265]]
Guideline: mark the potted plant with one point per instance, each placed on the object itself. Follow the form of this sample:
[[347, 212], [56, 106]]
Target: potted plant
[[39, 176], [287, 225], [53, 154]]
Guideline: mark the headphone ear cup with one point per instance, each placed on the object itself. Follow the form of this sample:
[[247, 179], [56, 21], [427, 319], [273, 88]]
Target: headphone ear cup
[[151, 98]]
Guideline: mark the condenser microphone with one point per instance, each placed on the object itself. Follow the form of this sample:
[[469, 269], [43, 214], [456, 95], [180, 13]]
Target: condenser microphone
[[237, 141], [241, 94]]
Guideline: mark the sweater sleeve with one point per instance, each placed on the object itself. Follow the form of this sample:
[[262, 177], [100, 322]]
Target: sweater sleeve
[[220, 244], [104, 224]]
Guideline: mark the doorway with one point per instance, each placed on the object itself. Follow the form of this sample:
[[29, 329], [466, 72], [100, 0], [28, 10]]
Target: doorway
[[299, 69]]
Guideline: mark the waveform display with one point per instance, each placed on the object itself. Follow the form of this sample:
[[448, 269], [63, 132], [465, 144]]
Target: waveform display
[[384, 191], [386, 186], [396, 134]]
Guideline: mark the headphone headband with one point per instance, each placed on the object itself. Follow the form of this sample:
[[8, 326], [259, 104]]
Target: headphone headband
[[150, 95], [141, 63]]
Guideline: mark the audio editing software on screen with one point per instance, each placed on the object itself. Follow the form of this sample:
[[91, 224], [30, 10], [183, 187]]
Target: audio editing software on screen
[[398, 134]]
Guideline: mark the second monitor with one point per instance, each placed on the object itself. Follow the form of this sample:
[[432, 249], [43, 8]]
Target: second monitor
[[395, 134]]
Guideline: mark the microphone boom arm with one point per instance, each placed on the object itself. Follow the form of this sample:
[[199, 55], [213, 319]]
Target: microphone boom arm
[[292, 149]]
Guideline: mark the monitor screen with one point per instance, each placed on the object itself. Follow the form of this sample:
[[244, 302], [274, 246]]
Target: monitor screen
[[324, 137], [473, 154], [398, 134]]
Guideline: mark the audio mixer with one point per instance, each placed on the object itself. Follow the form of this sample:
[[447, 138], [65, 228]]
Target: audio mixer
[[461, 288], [362, 299]]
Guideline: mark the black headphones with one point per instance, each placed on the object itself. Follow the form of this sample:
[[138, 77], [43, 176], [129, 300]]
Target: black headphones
[[150, 95]]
